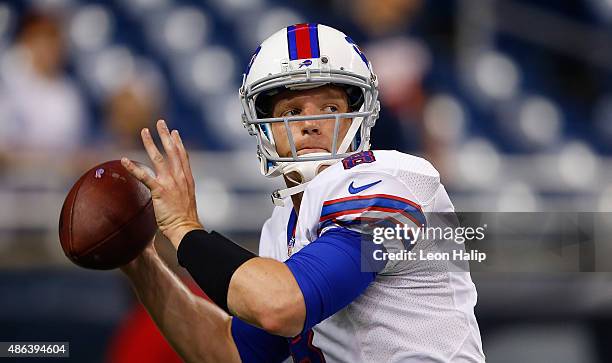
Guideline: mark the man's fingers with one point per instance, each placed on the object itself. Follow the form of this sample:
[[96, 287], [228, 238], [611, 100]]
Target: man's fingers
[[156, 157], [184, 158], [169, 147], [139, 173]]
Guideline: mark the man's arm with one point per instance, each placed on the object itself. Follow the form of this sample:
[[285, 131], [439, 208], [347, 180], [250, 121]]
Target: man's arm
[[197, 329], [281, 298], [264, 292]]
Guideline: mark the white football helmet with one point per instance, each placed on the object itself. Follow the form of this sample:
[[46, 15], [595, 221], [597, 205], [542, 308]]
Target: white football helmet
[[305, 56]]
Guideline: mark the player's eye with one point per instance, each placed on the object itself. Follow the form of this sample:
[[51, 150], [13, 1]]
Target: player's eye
[[330, 109], [291, 112]]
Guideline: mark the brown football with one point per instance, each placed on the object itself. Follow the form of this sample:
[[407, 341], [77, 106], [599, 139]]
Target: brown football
[[107, 218]]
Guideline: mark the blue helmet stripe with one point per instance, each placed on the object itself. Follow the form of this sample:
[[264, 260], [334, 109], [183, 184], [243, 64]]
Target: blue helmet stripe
[[292, 43], [314, 40]]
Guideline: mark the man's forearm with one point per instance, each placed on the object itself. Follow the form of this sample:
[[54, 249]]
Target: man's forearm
[[197, 329], [261, 291]]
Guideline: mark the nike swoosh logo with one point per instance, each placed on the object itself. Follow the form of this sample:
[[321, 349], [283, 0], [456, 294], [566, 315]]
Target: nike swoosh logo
[[355, 190]]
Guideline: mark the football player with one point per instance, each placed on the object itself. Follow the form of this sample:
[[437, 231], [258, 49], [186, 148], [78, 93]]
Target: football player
[[309, 97]]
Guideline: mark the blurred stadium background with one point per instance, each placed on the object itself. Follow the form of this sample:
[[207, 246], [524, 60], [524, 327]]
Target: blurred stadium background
[[510, 99]]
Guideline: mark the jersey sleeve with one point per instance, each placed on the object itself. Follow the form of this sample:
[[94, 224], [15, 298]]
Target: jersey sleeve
[[369, 201], [366, 199], [442, 202], [329, 274]]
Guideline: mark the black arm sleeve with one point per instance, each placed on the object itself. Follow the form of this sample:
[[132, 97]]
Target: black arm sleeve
[[212, 259]]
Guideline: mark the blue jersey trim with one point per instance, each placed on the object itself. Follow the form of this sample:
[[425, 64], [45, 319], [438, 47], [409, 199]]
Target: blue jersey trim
[[380, 202]]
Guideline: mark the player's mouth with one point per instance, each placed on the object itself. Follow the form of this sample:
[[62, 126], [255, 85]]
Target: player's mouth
[[309, 150]]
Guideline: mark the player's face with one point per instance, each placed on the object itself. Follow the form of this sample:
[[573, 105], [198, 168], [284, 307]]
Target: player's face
[[312, 135]]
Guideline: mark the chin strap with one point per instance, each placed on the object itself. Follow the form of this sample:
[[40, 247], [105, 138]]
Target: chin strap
[[279, 195], [306, 171]]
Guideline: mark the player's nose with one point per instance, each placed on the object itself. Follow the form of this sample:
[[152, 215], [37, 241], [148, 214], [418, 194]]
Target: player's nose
[[310, 127]]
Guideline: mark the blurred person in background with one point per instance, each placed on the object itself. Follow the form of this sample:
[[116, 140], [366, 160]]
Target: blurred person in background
[[384, 17], [41, 107], [132, 105], [403, 63]]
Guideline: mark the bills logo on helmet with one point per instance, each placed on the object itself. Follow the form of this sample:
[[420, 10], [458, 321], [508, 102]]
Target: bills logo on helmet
[[305, 63]]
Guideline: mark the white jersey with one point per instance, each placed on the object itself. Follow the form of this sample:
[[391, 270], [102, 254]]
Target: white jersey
[[414, 311]]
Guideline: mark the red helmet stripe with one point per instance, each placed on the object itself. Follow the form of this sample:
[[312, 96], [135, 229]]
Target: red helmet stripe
[[302, 37]]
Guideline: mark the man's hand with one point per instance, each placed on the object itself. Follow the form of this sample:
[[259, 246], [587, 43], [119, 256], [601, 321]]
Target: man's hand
[[173, 187]]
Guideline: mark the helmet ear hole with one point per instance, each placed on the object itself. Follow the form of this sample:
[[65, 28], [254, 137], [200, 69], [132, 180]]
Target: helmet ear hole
[[355, 97], [263, 107], [263, 103]]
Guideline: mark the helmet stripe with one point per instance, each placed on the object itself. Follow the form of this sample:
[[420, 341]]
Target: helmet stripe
[[291, 41], [314, 40], [303, 41], [302, 35]]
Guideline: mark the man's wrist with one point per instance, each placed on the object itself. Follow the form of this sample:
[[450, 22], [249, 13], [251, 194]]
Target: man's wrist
[[133, 267], [211, 260], [176, 234]]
